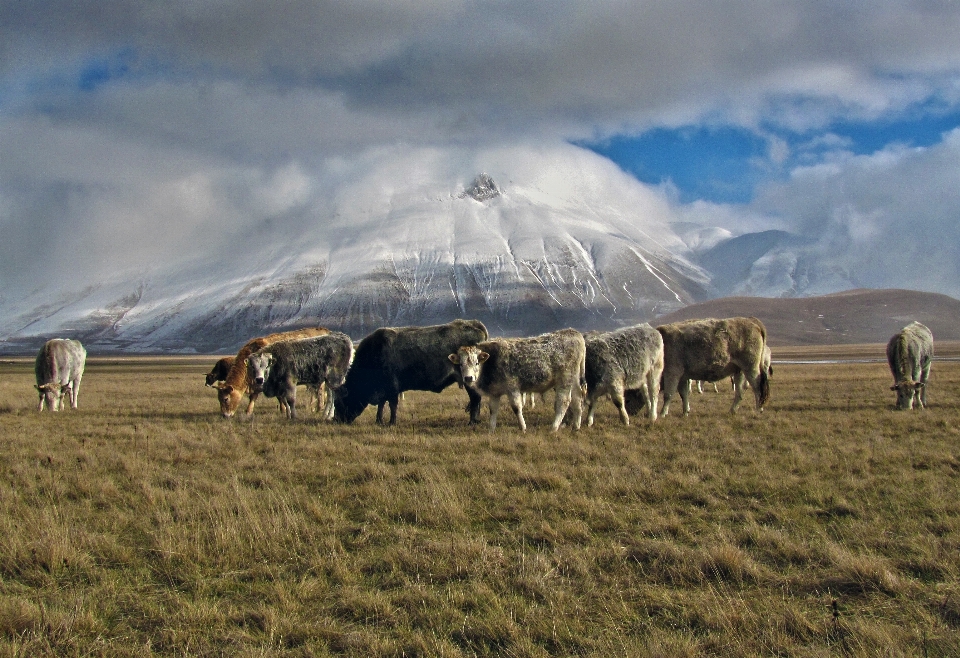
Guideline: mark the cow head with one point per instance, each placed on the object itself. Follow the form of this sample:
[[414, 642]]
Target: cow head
[[470, 359], [229, 399], [346, 407], [51, 394], [907, 392], [258, 368]]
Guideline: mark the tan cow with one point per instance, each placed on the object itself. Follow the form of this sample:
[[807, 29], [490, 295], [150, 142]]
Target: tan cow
[[711, 350], [238, 382]]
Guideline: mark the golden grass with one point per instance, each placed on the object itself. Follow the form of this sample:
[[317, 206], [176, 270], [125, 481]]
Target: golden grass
[[143, 524]]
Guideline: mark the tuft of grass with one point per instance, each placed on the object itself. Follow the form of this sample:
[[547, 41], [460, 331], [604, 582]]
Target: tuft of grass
[[144, 524]]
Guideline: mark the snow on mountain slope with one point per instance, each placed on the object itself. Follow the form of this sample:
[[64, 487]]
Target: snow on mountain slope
[[542, 240]]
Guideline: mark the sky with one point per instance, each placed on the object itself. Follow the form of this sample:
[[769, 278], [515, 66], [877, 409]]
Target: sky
[[133, 132]]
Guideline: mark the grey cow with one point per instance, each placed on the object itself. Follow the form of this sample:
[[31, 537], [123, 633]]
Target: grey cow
[[514, 366], [628, 358], [320, 361], [712, 349], [59, 369], [910, 355]]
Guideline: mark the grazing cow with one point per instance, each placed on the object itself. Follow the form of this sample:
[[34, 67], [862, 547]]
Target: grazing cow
[[628, 358], [710, 350], [59, 369], [514, 366], [321, 361], [910, 355], [238, 383], [220, 370], [392, 360]]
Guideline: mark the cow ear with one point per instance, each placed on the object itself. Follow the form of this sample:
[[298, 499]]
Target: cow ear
[[918, 385], [454, 358], [893, 388], [483, 356]]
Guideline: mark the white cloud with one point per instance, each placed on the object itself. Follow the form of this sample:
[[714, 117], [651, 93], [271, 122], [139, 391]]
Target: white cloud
[[207, 122]]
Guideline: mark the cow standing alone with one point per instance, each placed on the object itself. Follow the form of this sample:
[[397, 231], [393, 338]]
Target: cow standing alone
[[59, 369], [392, 360], [514, 366], [910, 355], [711, 350], [628, 358], [316, 362]]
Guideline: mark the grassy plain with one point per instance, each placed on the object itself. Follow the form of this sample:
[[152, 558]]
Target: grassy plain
[[145, 525]]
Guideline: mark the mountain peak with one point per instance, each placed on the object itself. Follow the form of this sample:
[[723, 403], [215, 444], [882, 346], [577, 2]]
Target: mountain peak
[[483, 188]]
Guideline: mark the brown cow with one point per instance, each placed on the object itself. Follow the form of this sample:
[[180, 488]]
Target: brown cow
[[238, 383], [220, 370], [711, 350]]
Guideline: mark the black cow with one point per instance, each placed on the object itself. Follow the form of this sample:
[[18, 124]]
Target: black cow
[[392, 360]]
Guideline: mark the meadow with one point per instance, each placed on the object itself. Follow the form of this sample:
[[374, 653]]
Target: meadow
[[143, 524]]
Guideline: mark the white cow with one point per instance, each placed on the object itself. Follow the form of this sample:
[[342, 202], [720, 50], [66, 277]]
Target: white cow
[[910, 355], [59, 368]]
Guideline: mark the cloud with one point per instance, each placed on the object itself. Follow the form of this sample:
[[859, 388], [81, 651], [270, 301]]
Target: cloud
[[889, 219], [136, 132]]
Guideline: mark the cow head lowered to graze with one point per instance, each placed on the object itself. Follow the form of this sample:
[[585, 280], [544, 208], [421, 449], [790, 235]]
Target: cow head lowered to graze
[[392, 360], [51, 395], [910, 355], [59, 369]]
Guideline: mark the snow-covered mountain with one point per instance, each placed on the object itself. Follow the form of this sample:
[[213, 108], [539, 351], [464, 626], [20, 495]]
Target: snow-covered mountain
[[552, 240]]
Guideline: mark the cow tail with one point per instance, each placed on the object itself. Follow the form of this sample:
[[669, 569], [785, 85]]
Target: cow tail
[[763, 386]]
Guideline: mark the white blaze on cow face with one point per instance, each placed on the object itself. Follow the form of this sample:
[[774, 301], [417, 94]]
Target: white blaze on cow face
[[470, 359], [258, 367]]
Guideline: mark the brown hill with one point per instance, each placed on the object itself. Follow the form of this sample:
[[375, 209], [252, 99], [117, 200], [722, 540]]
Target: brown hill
[[854, 316]]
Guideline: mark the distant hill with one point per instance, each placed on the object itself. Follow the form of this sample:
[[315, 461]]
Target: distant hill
[[854, 316]]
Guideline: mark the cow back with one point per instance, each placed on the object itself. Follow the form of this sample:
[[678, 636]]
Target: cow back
[[59, 361], [534, 363]]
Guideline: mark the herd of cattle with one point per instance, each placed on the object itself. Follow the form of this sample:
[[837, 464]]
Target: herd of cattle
[[631, 366]]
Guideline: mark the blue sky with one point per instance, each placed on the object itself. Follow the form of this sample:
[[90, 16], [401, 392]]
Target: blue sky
[[725, 163]]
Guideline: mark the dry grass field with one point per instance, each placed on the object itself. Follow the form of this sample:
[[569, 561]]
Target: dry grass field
[[143, 524]]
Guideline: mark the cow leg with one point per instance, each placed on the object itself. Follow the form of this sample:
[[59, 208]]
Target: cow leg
[[328, 406], [560, 405], [380, 412], [651, 389], [671, 385], [516, 403], [591, 401], [74, 393], [738, 384], [394, 401], [252, 402], [616, 395], [924, 376], [683, 388], [494, 404], [475, 399], [576, 405]]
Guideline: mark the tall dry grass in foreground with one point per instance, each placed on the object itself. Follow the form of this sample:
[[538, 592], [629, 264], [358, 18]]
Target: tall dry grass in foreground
[[143, 524]]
